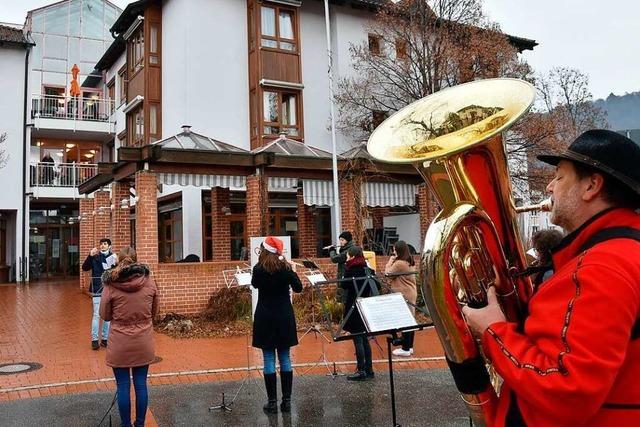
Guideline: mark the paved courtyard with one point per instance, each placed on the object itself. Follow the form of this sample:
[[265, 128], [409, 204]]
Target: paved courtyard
[[48, 324]]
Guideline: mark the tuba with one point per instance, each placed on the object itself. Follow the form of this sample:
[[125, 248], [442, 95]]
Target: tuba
[[454, 139]]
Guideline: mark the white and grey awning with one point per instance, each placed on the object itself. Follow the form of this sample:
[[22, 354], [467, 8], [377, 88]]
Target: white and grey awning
[[317, 192], [283, 184], [389, 194], [232, 182]]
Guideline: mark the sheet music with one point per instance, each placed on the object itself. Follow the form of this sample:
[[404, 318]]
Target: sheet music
[[315, 278], [109, 262], [385, 312], [243, 279]]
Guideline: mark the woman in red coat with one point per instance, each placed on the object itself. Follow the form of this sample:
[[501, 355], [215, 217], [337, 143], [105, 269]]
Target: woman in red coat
[[577, 360], [130, 302]]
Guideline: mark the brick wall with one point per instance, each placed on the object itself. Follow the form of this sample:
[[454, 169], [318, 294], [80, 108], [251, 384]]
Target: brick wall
[[147, 218], [221, 233], [120, 227], [351, 209], [186, 288], [87, 240], [102, 218], [257, 205], [306, 228], [427, 207]]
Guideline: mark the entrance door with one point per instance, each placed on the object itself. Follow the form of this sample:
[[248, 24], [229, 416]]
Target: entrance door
[[283, 222], [53, 252]]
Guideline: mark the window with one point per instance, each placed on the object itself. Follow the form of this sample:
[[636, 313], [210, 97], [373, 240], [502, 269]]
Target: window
[[136, 127], [111, 90], [278, 28], [136, 51], [280, 113], [122, 77], [283, 222], [401, 49], [374, 44], [153, 44], [170, 235], [323, 229]]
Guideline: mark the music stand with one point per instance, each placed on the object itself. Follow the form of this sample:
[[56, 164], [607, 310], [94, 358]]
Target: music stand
[[228, 407], [315, 276]]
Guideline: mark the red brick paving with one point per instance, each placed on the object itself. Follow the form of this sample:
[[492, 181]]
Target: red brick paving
[[49, 323]]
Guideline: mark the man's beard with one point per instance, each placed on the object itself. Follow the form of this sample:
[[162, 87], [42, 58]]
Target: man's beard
[[564, 212]]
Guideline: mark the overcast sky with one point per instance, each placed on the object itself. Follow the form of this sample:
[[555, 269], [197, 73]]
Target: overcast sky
[[600, 38]]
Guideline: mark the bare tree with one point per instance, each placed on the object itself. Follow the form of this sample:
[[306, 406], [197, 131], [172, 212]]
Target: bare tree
[[416, 48], [4, 157], [565, 110]]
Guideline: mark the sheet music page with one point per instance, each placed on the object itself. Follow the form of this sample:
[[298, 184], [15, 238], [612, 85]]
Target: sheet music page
[[385, 312], [315, 278]]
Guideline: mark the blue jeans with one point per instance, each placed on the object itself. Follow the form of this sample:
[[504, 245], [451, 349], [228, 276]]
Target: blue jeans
[[95, 322], [123, 383], [269, 357]]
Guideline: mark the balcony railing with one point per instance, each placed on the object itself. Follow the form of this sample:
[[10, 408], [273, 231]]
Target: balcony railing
[[71, 108], [61, 174]]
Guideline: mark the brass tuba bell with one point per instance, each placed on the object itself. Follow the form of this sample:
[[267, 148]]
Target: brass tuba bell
[[454, 139]]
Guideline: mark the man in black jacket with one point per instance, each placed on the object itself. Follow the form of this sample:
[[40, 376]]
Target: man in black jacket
[[98, 261]]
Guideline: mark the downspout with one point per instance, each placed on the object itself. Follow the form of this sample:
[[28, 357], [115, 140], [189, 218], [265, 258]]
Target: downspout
[[23, 262]]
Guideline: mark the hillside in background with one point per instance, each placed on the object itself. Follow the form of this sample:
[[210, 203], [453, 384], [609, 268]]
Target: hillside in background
[[623, 112]]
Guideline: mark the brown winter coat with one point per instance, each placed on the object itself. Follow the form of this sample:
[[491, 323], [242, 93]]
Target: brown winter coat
[[130, 302], [406, 285]]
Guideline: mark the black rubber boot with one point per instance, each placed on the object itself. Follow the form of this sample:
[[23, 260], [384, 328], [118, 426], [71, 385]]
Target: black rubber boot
[[286, 380], [271, 384]]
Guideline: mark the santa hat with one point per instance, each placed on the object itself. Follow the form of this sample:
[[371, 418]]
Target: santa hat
[[273, 245]]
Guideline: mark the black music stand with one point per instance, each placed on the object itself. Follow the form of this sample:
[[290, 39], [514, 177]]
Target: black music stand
[[393, 339], [315, 327]]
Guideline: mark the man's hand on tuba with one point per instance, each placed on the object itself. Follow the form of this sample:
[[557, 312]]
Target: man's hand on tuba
[[479, 319]]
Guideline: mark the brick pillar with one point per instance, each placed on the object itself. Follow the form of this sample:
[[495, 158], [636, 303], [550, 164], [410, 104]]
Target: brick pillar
[[120, 228], [87, 239], [147, 218], [257, 206], [377, 215], [427, 207], [353, 213], [220, 233], [102, 217], [306, 228]]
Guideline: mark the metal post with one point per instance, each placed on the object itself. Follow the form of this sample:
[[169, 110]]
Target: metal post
[[334, 156], [393, 390]]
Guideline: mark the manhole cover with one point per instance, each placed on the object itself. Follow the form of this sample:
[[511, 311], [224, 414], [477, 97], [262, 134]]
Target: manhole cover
[[18, 368]]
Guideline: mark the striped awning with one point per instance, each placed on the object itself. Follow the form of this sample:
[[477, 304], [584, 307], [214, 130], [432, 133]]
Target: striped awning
[[198, 180], [317, 193], [282, 184], [389, 194]]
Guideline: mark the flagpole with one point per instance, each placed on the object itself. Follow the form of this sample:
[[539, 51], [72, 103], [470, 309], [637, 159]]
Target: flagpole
[[334, 156]]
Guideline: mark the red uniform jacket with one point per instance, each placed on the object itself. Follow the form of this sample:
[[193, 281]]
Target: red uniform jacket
[[576, 364]]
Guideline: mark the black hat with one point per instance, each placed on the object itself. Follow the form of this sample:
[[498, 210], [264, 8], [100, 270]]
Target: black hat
[[346, 235], [606, 151]]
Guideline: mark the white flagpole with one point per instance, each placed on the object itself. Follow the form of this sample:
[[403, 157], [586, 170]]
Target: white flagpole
[[334, 156]]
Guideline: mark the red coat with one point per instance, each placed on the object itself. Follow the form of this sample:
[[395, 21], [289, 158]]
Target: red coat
[[576, 363]]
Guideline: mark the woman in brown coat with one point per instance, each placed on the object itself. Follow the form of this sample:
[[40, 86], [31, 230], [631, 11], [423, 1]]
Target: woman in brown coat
[[402, 262], [129, 302]]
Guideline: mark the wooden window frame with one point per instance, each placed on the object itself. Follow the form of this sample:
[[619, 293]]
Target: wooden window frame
[[136, 52], [375, 44], [278, 124], [135, 139], [294, 41], [111, 90], [122, 75]]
